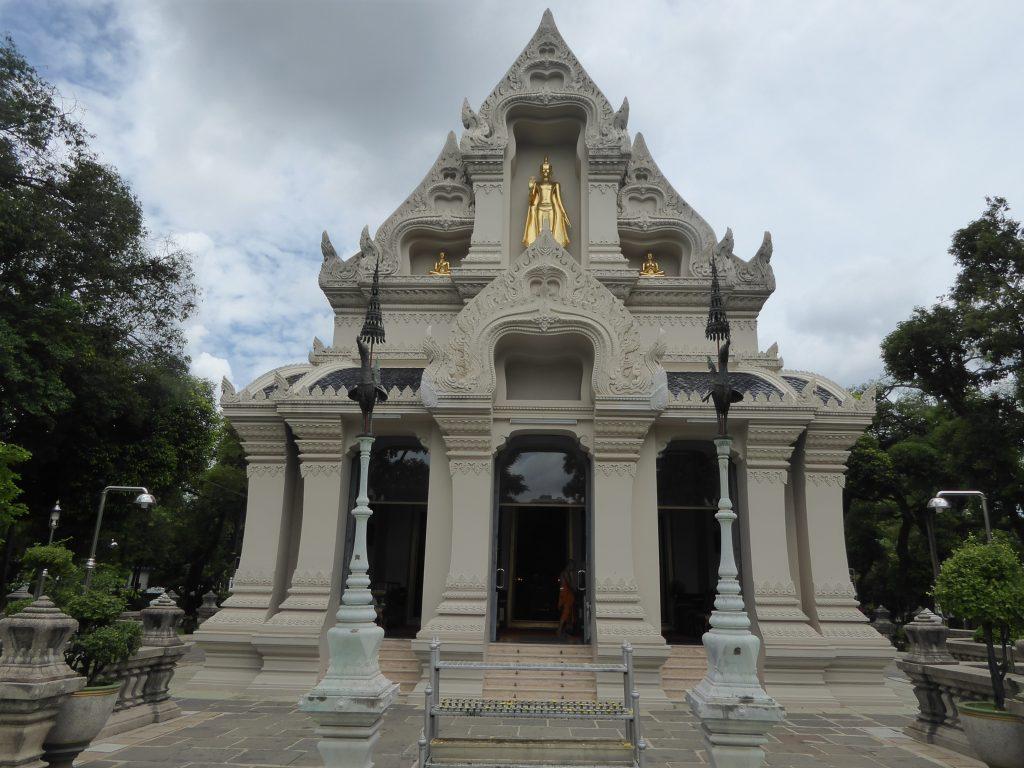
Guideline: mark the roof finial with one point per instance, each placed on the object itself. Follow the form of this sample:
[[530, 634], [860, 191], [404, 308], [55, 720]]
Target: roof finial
[[373, 323], [717, 329]]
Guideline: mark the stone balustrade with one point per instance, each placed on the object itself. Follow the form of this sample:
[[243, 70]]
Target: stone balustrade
[[970, 650], [145, 678], [941, 682]]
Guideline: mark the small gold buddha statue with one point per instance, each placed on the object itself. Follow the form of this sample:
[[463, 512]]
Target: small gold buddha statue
[[441, 266], [545, 208], [651, 268]]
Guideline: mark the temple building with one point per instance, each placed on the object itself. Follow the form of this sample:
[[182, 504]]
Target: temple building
[[543, 480]]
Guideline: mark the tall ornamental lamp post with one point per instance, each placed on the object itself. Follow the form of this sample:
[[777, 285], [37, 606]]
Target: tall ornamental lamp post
[[54, 521], [734, 710], [940, 502], [144, 499], [349, 703]]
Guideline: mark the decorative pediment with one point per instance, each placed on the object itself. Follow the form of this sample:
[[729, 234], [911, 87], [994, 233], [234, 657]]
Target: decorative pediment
[[546, 72], [545, 291], [441, 202], [647, 201]]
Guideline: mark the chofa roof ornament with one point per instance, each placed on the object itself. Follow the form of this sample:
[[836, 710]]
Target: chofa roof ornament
[[722, 392]]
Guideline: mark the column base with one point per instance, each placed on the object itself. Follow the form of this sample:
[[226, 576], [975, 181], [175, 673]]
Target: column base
[[232, 661], [291, 664], [647, 661], [857, 678], [454, 682]]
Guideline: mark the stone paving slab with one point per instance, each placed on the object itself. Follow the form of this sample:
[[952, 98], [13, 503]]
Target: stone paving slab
[[269, 735]]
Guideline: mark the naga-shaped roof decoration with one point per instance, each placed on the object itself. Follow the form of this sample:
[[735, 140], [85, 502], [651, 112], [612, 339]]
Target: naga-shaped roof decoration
[[547, 71], [442, 201]]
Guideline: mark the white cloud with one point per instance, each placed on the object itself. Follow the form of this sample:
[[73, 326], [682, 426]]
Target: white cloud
[[860, 134]]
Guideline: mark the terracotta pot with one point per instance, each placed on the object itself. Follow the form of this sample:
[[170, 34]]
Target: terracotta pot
[[80, 718], [996, 737]]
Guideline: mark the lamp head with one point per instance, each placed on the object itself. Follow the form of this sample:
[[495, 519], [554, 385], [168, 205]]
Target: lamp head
[[145, 500], [938, 503], [55, 515]]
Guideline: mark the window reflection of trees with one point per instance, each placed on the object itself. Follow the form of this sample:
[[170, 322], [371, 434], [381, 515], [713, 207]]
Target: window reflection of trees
[[534, 476], [399, 473]]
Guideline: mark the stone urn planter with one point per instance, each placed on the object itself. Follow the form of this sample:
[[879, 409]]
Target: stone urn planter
[[997, 737], [80, 718]]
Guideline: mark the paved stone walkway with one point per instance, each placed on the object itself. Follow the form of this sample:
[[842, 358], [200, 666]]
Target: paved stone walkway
[[245, 733]]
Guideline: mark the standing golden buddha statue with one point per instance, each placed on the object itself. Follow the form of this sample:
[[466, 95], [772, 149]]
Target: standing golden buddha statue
[[651, 268], [441, 266], [545, 208]]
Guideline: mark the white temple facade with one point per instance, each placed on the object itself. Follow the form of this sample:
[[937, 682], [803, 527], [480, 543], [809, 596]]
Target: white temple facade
[[545, 424]]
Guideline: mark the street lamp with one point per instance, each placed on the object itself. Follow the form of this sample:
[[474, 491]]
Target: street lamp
[[939, 502], [144, 499], [54, 520], [734, 710]]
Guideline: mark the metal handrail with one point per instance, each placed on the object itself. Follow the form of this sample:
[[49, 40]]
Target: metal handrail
[[435, 707]]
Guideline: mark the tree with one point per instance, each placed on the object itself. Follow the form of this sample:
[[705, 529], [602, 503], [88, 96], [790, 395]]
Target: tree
[[966, 353], [95, 382]]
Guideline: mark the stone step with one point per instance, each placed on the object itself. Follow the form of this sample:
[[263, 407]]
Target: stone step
[[683, 669], [399, 664], [535, 753], [538, 685]]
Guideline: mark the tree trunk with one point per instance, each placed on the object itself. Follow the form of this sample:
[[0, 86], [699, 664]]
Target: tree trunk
[[998, 693]]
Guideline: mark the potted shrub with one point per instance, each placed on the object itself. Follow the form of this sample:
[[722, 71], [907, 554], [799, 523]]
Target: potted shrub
[[102, 642], [984, 583]]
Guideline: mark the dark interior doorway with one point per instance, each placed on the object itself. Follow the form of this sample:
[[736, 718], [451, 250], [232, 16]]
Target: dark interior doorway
[[541, 574], [396, 532], [689, 541]]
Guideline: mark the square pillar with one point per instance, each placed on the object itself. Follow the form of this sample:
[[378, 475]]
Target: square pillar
[[619, 613], [460, 622], [794, 655], [488, 177], [860, 654], [232, 661], [290, 641]]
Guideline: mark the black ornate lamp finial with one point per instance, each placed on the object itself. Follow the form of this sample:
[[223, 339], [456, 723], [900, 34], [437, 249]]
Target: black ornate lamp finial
[[368, 392], [722, 392]]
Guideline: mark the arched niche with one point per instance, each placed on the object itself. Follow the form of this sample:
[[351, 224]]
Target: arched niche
[[535, 132], [420, 248], [671, 250], [544, 368]]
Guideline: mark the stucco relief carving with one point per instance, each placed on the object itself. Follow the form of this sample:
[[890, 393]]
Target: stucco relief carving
[[472, 467], [769, 476], [835, 590], [549, 73], [615, 468], [827, 479], [264, 470], [320, 469], [442, 201], [544, 290]]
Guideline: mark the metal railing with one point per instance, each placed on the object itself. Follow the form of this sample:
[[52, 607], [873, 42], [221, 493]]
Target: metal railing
[[435, 706]]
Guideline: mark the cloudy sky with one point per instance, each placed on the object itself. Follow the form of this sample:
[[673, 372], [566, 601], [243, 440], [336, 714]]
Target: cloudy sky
[[861, 134]]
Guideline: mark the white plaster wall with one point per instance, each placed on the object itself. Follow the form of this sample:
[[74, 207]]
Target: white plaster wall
[[645, 531]]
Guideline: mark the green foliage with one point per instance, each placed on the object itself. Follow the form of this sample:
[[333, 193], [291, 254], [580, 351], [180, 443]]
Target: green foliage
[[56, 558], [95, 381], [92, 652], [17, 606], [984, 583], [10, 508]]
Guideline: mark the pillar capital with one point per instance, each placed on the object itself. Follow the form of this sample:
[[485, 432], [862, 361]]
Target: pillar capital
[[619, 438], [467, 437], [264, 438], [320, 439], [826, 450], [769, 447]]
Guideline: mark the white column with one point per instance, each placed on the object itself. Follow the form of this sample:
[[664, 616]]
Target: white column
[[618, 608], [485, 247], [460, 622], [232, 661], [290, 641], [855, 675], [794, 655], [437, 548]]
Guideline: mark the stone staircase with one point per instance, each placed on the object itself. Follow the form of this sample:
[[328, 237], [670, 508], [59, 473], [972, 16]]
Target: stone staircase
[[399, 663], [529, 685], [683, 669]]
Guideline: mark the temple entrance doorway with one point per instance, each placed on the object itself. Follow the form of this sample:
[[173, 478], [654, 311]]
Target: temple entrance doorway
[[541, 549], [396, 532], [689, 541]]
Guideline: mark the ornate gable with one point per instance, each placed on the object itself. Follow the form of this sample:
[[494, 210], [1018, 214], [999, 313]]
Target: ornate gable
[[546, 72], [648, 201], [442, 201], [544, 291]]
